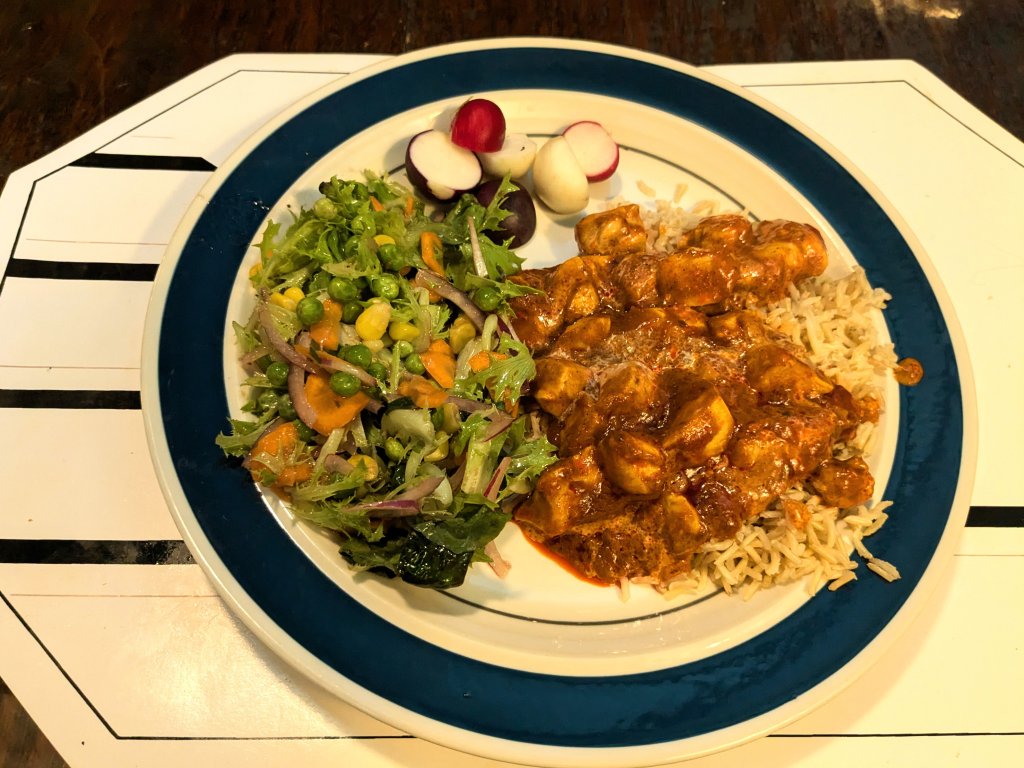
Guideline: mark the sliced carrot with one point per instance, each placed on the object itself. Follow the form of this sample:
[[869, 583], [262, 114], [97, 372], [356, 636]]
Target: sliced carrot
[[431, 252], [281, 441], [333, 411], [327, 330], [409, 202], [483, 359], [439, 360], [375, 203], [424, 393]]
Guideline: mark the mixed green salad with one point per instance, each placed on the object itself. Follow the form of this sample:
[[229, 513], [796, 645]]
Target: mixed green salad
[[383, 381]]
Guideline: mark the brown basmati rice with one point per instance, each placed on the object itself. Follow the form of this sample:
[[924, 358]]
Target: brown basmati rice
[[834, 321]]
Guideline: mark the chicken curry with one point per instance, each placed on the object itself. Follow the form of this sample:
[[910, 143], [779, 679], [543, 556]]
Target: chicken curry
[[679, 415]]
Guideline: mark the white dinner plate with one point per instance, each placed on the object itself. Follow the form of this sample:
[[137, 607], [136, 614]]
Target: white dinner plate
[[541, 667]]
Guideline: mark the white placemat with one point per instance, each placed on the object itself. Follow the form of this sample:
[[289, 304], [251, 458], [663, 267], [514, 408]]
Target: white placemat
[[118, 646]]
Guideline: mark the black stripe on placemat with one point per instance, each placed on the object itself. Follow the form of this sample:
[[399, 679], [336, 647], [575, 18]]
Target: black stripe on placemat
[[143, 162], [88, 552], [995, 517], [80, 270], [105, 399]]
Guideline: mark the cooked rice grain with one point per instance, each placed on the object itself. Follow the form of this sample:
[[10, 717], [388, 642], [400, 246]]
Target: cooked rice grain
[[834, 321]]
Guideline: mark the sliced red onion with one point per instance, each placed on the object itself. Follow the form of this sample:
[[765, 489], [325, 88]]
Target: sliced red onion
[[499, 474], [478, 257], [276, 340], [422, 489], [506, 327], [296, 388], [332, 363], [389, 508], [468, 406], [499, 423], [250, 357], [339, 464], [456, 478], [437, 284], [498, 564]]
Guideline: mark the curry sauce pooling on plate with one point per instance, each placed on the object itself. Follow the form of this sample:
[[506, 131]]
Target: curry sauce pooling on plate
[[680, 416]]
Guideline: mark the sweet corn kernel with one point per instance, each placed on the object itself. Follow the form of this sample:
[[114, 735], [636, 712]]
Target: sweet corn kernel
[[373, 321], [295, 294], [255, 269], [403, 331], [384, 240], [441, 451], [283, 301], [367, 464], [374, 345], [461, 332]]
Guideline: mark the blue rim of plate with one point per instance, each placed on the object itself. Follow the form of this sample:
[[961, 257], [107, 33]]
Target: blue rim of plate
[[667, 705]]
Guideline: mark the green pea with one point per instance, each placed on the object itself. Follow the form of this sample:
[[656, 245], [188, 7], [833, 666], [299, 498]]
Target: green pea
[[385, 286], [414, 364], [391, 257], [319, 282], [325, 209], [344, 384], [285, 407], [306, 434], [341, 289], [403, 348], [437, 418], [377, 370], [350, 310], [309, 310], [394, 449], [358, 354], [487, 298], [277, 373], [267, 400]]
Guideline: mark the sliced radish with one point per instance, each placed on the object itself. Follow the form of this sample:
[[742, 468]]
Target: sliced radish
[[559, 179], [513, 159], [438, 168], [594, 148], [479, 125]]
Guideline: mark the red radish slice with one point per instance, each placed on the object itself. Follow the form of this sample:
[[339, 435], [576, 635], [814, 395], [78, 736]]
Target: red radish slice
[[594, 148], [440, 169], [559, 179], [479, 126], [514, 158]]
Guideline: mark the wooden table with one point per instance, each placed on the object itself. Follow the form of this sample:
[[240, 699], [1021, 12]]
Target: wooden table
[[67, 67]]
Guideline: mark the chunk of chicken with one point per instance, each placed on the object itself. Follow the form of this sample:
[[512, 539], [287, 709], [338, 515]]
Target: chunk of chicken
[[563, 496], [696, 278], [780, 377], [700, 426], [843, 483], [628, 392], [633, 462], [558, 383], [586, 333], [615, 232]]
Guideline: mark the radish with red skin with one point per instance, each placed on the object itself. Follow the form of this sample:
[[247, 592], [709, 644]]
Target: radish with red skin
[[479, 125], [438, 168], [596, 150], [513, 159], [521, 221]]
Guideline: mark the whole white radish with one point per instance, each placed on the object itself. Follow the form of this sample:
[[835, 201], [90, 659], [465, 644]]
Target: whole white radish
[[559, 178]]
